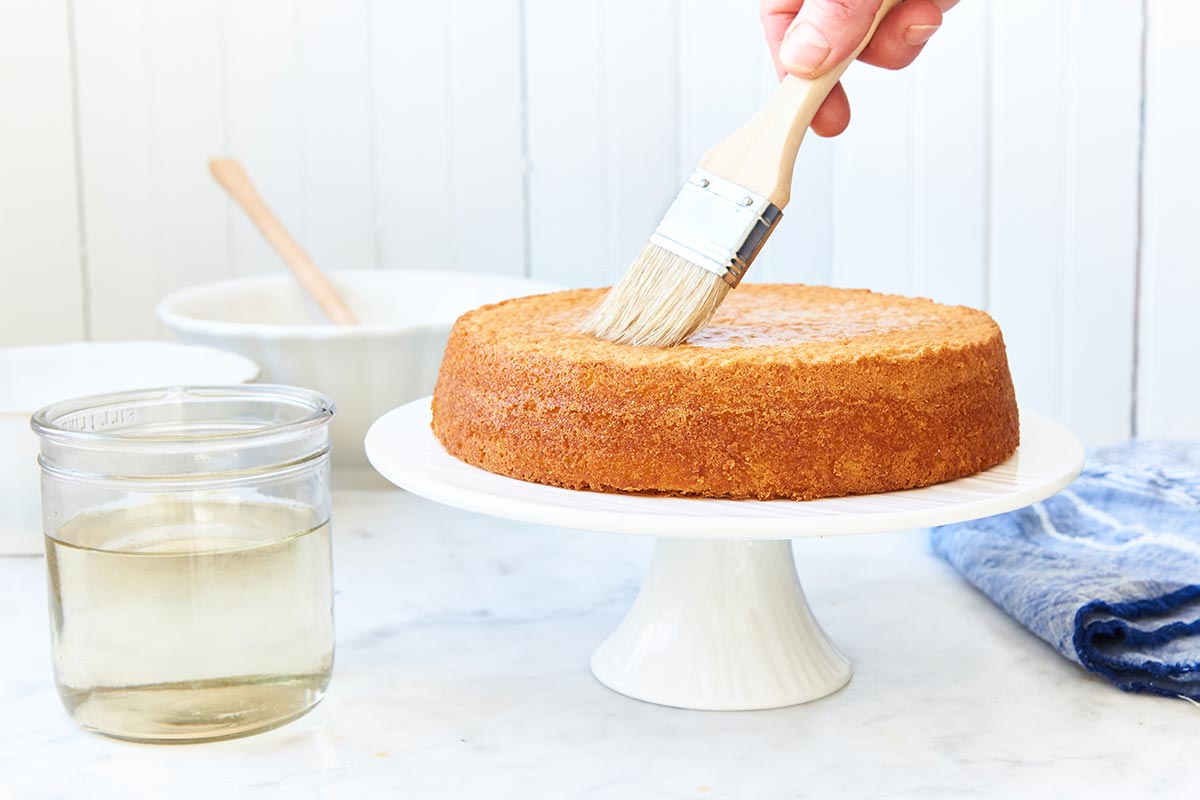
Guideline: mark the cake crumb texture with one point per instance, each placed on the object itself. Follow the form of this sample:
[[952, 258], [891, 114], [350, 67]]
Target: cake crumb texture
[[792, 391]]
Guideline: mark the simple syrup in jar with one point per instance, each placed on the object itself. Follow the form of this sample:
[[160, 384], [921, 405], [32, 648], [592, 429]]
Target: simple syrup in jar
[[194, 602]]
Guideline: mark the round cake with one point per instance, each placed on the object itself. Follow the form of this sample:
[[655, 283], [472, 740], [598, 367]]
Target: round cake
[[791, 392]]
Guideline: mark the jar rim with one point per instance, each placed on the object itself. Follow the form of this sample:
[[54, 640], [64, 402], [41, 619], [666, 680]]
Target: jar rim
[[47, 421]]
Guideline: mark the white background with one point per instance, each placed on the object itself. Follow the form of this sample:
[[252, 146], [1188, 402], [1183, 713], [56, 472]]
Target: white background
[[1039, 160]]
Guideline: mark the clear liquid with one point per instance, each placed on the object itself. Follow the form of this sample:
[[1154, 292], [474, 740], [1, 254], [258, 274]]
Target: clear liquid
[[187, 621]]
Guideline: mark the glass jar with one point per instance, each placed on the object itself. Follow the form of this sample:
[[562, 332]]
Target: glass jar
[[188, 548]]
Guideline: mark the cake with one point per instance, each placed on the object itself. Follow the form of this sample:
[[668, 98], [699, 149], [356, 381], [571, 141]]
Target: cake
[[792, 391]]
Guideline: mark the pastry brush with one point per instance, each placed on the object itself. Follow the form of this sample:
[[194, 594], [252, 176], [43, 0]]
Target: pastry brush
[[719, 220]]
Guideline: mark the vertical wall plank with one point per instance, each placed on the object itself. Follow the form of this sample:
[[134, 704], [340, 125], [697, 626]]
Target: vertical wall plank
[[1028, 194], [949, 118], [910, 173], [410, 50], [150, 116], [486, 137], [264, 113], [1063, 224], [186, 128], [336, 147], [641, 131], [39, 233], [447, 107], [601, 89], [1100, 258], [568, 182], [299, 117], [872, 194], [1169, 383], [114, 130]]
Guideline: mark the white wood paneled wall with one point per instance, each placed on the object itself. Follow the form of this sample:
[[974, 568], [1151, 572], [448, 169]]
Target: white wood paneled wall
[[1046, 172]]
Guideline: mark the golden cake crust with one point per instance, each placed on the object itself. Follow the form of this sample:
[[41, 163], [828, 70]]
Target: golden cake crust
[[792, 391]]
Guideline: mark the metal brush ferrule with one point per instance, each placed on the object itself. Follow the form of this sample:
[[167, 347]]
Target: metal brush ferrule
[[717, 225]]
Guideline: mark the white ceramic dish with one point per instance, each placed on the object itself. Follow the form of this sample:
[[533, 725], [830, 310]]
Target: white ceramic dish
[[392, 358], [721, 622], [31, 377]]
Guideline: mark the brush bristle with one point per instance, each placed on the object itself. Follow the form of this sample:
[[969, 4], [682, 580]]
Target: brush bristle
[[661, 300]]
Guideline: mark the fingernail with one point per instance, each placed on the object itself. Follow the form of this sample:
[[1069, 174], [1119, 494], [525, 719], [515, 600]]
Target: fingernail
[[917, 35], [804, 49]]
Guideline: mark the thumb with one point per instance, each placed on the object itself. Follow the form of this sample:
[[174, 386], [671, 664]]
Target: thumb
[[825, 33]]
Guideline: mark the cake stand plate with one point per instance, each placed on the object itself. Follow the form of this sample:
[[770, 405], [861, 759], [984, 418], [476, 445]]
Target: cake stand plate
[[721, 622]]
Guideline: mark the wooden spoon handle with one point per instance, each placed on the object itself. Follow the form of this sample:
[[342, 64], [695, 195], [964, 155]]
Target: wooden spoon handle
[[229, 173], [762, 153]]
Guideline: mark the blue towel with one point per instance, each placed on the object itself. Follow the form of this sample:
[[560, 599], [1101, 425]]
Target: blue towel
[[1107, 570]]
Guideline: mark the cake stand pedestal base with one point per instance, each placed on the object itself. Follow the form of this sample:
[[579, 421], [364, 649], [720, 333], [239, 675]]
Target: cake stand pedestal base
[[721, 625], [721, 622]]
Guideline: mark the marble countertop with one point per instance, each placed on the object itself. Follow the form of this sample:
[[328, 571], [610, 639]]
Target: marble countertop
[[463, 645]]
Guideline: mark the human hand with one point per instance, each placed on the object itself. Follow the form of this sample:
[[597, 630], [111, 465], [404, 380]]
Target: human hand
[[808, 37]]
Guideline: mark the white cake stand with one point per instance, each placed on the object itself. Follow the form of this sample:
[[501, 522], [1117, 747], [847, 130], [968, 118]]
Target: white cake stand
[[721, 622]]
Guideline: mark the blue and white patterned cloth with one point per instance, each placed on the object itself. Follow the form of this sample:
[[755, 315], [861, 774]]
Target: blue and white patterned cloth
[[1108, 570]]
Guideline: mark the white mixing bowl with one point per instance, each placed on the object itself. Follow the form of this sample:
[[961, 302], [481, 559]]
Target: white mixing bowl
[[368, 369], [32, 377]]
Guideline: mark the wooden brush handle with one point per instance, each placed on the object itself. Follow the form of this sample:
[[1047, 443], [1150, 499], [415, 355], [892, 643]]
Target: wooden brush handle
[[229, 173], [761, 154]]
